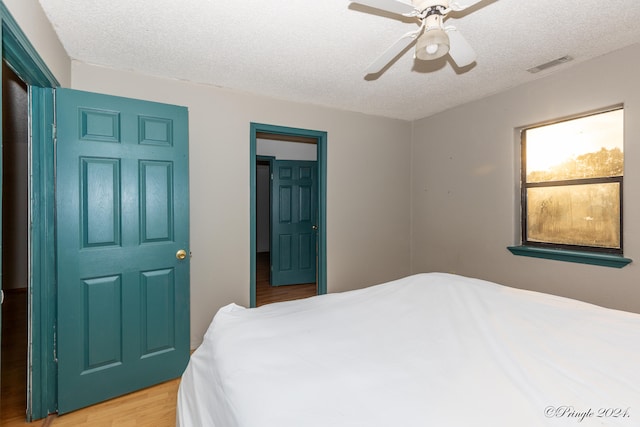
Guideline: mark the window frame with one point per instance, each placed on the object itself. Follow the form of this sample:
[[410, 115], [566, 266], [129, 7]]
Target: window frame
[[524, 186]]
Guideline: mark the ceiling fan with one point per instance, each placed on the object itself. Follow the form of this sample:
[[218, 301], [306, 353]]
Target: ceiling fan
[[433, 39]]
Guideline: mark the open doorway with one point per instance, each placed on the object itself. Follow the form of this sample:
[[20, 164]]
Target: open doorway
[[275, 154], [296, 172], [15, 247]]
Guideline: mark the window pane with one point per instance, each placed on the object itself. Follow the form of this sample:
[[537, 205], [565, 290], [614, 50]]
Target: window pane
[[584, 215], [587, 147]]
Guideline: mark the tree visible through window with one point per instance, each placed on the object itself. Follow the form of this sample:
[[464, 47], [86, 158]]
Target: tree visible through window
[[572, 174]]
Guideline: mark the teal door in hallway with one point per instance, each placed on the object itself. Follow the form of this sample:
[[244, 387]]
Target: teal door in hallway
[[294, 217], [122, 206]]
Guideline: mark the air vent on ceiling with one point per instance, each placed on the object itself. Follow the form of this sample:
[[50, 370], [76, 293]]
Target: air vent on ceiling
[[550, 64]]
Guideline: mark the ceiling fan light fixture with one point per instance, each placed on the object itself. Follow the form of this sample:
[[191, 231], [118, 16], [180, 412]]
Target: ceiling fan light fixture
[[432, 44]]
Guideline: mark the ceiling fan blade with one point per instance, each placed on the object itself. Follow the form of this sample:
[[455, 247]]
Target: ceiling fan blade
[[393, 51], [458, 5], [459, 48], [393, 6]]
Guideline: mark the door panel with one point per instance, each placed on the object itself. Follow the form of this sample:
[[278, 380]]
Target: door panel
[[294, 215], [122, 214]]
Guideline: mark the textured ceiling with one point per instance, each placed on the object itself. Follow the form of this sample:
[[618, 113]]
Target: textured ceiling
[[316, 51]]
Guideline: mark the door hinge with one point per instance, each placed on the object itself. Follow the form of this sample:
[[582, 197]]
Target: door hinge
[[272, 176], [55, 346]]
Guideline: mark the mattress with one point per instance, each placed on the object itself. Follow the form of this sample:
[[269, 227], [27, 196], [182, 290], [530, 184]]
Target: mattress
[[431, 349]]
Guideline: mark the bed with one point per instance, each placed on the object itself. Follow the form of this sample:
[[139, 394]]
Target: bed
[[431, 349]]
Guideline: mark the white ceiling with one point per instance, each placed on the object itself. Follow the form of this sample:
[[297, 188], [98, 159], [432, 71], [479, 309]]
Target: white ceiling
[[315, 51]]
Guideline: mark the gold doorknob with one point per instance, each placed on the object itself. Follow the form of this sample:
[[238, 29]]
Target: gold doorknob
[[181, 254]]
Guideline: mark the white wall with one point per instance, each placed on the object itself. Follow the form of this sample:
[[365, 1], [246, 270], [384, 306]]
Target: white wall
[[465, 183], [367, 195], [34, 23]]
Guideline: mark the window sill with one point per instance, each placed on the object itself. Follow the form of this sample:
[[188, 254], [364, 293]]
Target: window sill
[[592, 258]]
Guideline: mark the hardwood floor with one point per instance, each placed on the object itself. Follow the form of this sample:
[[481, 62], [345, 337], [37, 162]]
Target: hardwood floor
[[267, 294], [154, 406]]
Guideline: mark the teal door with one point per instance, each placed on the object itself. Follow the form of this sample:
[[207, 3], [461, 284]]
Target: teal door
[[1, 291], [294, 214], [122, 205]]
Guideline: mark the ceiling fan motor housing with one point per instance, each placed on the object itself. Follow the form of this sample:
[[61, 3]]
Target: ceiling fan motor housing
[[433, 17], [422, 5]]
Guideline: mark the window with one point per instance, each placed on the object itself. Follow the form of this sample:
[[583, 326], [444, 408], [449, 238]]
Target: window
[[572, 174]]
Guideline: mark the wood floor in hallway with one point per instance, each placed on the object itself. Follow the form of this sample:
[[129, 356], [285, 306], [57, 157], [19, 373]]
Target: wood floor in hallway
[[267, 294]]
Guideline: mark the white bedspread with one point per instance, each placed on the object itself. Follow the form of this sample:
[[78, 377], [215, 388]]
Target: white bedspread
[[427, 350]]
